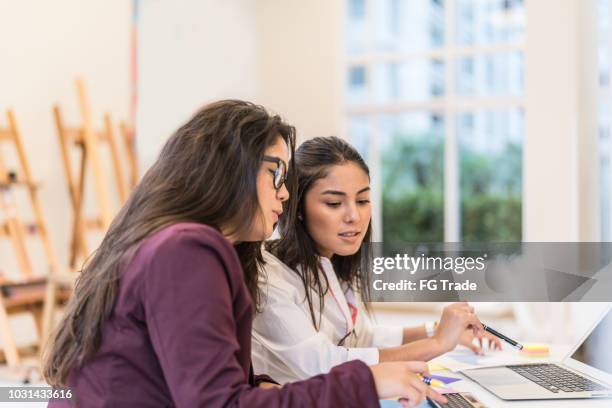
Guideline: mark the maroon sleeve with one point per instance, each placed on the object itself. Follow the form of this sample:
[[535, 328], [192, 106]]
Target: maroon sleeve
[[189, 315]]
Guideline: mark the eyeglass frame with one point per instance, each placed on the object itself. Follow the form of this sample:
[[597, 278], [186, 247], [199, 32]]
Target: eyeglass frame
[[280, 172]]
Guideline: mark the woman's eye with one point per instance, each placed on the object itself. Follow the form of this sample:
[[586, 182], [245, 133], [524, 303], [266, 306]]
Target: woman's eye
[[333, 205], [363, 202]]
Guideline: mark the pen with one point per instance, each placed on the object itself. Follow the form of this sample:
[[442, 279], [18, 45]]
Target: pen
[[432, 381], [501, 336]]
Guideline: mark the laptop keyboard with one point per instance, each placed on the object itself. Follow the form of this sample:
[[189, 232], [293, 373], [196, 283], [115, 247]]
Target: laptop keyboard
[[555, 378], [456, 400]]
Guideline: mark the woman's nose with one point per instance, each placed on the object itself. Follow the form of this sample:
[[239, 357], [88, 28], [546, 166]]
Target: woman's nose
[[282, 193], [351, 215]]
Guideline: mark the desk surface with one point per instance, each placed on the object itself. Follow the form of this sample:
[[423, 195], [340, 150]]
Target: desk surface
[[492, 401]]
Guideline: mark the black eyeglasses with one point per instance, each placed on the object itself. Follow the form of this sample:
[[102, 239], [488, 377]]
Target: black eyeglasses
[[280, 173]]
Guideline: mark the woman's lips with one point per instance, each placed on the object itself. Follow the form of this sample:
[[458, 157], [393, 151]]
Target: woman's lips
[[350, 236]]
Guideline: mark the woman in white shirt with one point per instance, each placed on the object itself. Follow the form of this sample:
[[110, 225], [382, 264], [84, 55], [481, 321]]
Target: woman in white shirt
[[312, 317]]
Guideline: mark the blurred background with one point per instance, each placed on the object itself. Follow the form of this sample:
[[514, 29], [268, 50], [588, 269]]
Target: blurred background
[[481, 120]]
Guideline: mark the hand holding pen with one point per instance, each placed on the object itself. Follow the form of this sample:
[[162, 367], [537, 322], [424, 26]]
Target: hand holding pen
[[456, 319], [408, 386]]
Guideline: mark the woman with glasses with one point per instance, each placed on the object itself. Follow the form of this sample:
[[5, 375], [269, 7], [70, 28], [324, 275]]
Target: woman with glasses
[[161, 315], [312, 315]]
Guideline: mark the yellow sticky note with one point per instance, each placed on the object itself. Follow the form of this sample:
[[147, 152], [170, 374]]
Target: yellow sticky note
[[535, 350], [436, 367]]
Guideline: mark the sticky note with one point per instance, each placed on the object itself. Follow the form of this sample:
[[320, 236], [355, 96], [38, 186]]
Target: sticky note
[[535, 350], [445, 380], [436, 367]]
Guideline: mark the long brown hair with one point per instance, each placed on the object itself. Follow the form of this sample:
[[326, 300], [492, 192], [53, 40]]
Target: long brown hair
[[206, 173], [296, 248]]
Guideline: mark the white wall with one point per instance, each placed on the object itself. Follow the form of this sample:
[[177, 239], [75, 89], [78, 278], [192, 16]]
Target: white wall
[[45, 45], [300, 63], [560, 166], [191, 52], [282, 54]]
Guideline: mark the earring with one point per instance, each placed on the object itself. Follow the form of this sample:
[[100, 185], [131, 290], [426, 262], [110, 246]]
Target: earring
[[300, 217]]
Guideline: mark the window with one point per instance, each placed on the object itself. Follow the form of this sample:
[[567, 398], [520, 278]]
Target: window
[[440, 116], [411, 146], [357, 9]]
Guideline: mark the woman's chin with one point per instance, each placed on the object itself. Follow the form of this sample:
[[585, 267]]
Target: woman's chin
[[344, 251], [257, 236], [269, 233]]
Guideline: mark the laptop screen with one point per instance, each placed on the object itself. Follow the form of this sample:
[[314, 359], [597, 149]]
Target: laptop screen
[[595, 349]]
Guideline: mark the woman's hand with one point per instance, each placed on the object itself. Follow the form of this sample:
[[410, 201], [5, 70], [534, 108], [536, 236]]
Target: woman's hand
[[455, 320], [400, 379], [266, 385], [467, 340]]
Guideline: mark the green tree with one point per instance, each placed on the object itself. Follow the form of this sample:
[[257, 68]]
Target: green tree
[[413, 192]]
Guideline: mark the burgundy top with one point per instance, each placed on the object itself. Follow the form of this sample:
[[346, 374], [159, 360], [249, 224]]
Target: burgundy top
[[180, 336]]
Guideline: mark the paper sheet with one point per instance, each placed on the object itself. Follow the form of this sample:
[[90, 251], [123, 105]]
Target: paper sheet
[[463, 359]]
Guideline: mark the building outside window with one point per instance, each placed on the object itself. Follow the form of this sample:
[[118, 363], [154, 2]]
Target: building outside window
[[435, 102]]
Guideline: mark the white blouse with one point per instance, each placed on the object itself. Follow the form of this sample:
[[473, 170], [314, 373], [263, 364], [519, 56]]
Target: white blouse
[[285, 344]]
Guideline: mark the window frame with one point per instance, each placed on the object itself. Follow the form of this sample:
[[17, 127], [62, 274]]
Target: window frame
[[449, 105]]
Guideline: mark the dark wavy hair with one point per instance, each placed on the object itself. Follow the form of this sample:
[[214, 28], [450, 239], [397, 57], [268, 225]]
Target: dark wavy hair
[[296, 248], [206, 173]]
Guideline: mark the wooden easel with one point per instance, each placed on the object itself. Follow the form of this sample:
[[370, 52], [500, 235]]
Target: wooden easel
[[129, 143], [87, 142], [29, 292]]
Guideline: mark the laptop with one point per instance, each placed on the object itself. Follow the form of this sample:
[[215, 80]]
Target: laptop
[[586, 371]]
